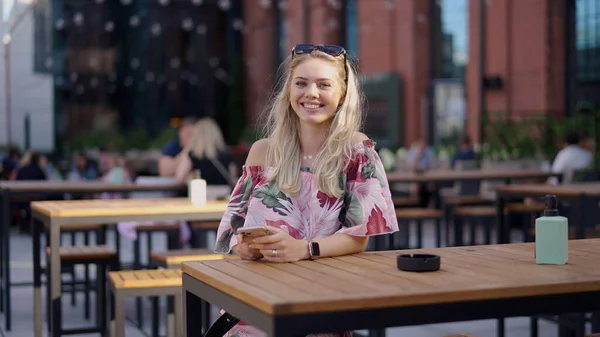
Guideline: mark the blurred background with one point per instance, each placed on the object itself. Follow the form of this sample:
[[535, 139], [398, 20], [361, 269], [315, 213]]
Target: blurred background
[[82, 75]]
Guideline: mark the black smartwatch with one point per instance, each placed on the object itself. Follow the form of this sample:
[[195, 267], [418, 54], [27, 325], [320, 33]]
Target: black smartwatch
[[313, 250]]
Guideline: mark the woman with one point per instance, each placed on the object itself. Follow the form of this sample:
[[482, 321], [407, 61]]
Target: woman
[[207, 153], [316, 181]]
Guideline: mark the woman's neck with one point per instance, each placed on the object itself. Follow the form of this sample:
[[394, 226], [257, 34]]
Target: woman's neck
[[311, 139]]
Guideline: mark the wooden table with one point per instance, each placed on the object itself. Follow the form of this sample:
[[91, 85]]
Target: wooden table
[[466, 175], [56, 214], [367, 291], [584, 195], [32, 189]]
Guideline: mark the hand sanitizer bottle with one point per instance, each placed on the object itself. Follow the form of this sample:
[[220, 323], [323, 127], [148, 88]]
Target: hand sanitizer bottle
[[551, 235], [197, 190]]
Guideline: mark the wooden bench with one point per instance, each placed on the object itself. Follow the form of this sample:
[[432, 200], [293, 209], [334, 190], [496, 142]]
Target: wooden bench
[[205, 225], [489, 213], [419, 214], [400, 202], [93, 252], [457, 200], [173, 258], [147, 283]]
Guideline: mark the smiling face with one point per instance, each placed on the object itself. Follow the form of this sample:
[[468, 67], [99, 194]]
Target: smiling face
[[315, 91]]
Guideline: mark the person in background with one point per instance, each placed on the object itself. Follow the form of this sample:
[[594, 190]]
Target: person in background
[[207, 153], [465, 151], [172, 151], [117, 174], [572, 157], [420, 157], [82, 169], [10, 162], [30, 168]]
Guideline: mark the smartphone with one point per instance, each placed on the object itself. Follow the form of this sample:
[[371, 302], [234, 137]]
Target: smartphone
[[250, 233]]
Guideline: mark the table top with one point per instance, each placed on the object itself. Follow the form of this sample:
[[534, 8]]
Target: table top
[[564, 190], [40, 186], [371, 280], [124, 207], [452, 175]]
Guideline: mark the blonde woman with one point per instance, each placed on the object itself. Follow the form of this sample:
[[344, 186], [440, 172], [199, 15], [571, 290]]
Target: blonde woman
[[207, 152], [316, 182]]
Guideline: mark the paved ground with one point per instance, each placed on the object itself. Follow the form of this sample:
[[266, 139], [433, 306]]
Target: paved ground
[[22, 299]]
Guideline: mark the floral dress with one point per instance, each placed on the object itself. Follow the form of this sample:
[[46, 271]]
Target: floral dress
[[365, 208]]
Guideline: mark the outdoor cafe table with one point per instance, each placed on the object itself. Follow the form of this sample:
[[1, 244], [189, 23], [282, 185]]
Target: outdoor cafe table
[[367, 291], [467, 175], [31, 190], [586, 196], [59, 214]]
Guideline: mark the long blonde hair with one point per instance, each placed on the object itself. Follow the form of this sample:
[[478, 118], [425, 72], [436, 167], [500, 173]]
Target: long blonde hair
[[282, 127], [207, 139]]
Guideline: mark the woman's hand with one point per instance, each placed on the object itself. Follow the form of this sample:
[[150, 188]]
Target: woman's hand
[[243, 250], [280, 246]]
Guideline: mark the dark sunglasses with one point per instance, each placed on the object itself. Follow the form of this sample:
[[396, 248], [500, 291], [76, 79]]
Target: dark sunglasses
[[329, 49], [306, 48]]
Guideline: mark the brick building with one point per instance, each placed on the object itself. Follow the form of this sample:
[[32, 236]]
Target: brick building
[[539, 56]]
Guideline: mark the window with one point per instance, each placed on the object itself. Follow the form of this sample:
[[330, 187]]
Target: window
[[454, 17], [587, 40]]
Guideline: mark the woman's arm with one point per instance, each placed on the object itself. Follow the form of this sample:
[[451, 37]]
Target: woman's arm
[[290, 249], [183, 168], [338, 245]]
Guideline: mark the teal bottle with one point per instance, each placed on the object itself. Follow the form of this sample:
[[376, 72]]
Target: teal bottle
[[551, 235]]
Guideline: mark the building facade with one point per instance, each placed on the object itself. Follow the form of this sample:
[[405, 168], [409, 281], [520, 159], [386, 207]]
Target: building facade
[[454, 58], [431, 68]]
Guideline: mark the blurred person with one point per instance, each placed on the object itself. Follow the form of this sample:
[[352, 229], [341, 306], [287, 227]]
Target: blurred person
[[572, 157], [10, 162], [82, 169], [316, 182], [172, 151], [466, 151], [207, 153], [31, 167], [118, 174], [420, 157]]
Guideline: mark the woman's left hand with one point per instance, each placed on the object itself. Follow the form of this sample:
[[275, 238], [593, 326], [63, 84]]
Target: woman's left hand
[[280, 246]]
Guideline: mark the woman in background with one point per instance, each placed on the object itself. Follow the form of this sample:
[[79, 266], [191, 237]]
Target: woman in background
[[207, 153]]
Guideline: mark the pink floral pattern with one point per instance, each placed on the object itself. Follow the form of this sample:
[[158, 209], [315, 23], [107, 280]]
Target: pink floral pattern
[[365, 209]]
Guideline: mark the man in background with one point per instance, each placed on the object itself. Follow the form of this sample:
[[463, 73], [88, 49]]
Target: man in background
[[572, 157], [171, 152]]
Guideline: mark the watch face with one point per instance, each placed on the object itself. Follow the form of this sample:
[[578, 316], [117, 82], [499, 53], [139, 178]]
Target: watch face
[[314, 249]]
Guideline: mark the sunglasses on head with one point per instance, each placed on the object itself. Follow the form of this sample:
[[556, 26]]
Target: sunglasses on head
[[306, 48], [329, 49]]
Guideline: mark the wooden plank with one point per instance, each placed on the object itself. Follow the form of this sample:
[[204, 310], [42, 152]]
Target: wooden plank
[[83, 186], [123, 207], [322, 274], [256, 296], [252, 273], [451, 175], [564, 190]]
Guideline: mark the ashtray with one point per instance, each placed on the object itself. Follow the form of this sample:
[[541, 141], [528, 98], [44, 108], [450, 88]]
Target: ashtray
[[418, 262]]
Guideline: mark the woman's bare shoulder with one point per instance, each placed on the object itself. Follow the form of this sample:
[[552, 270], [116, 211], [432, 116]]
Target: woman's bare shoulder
[[258, 152]]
